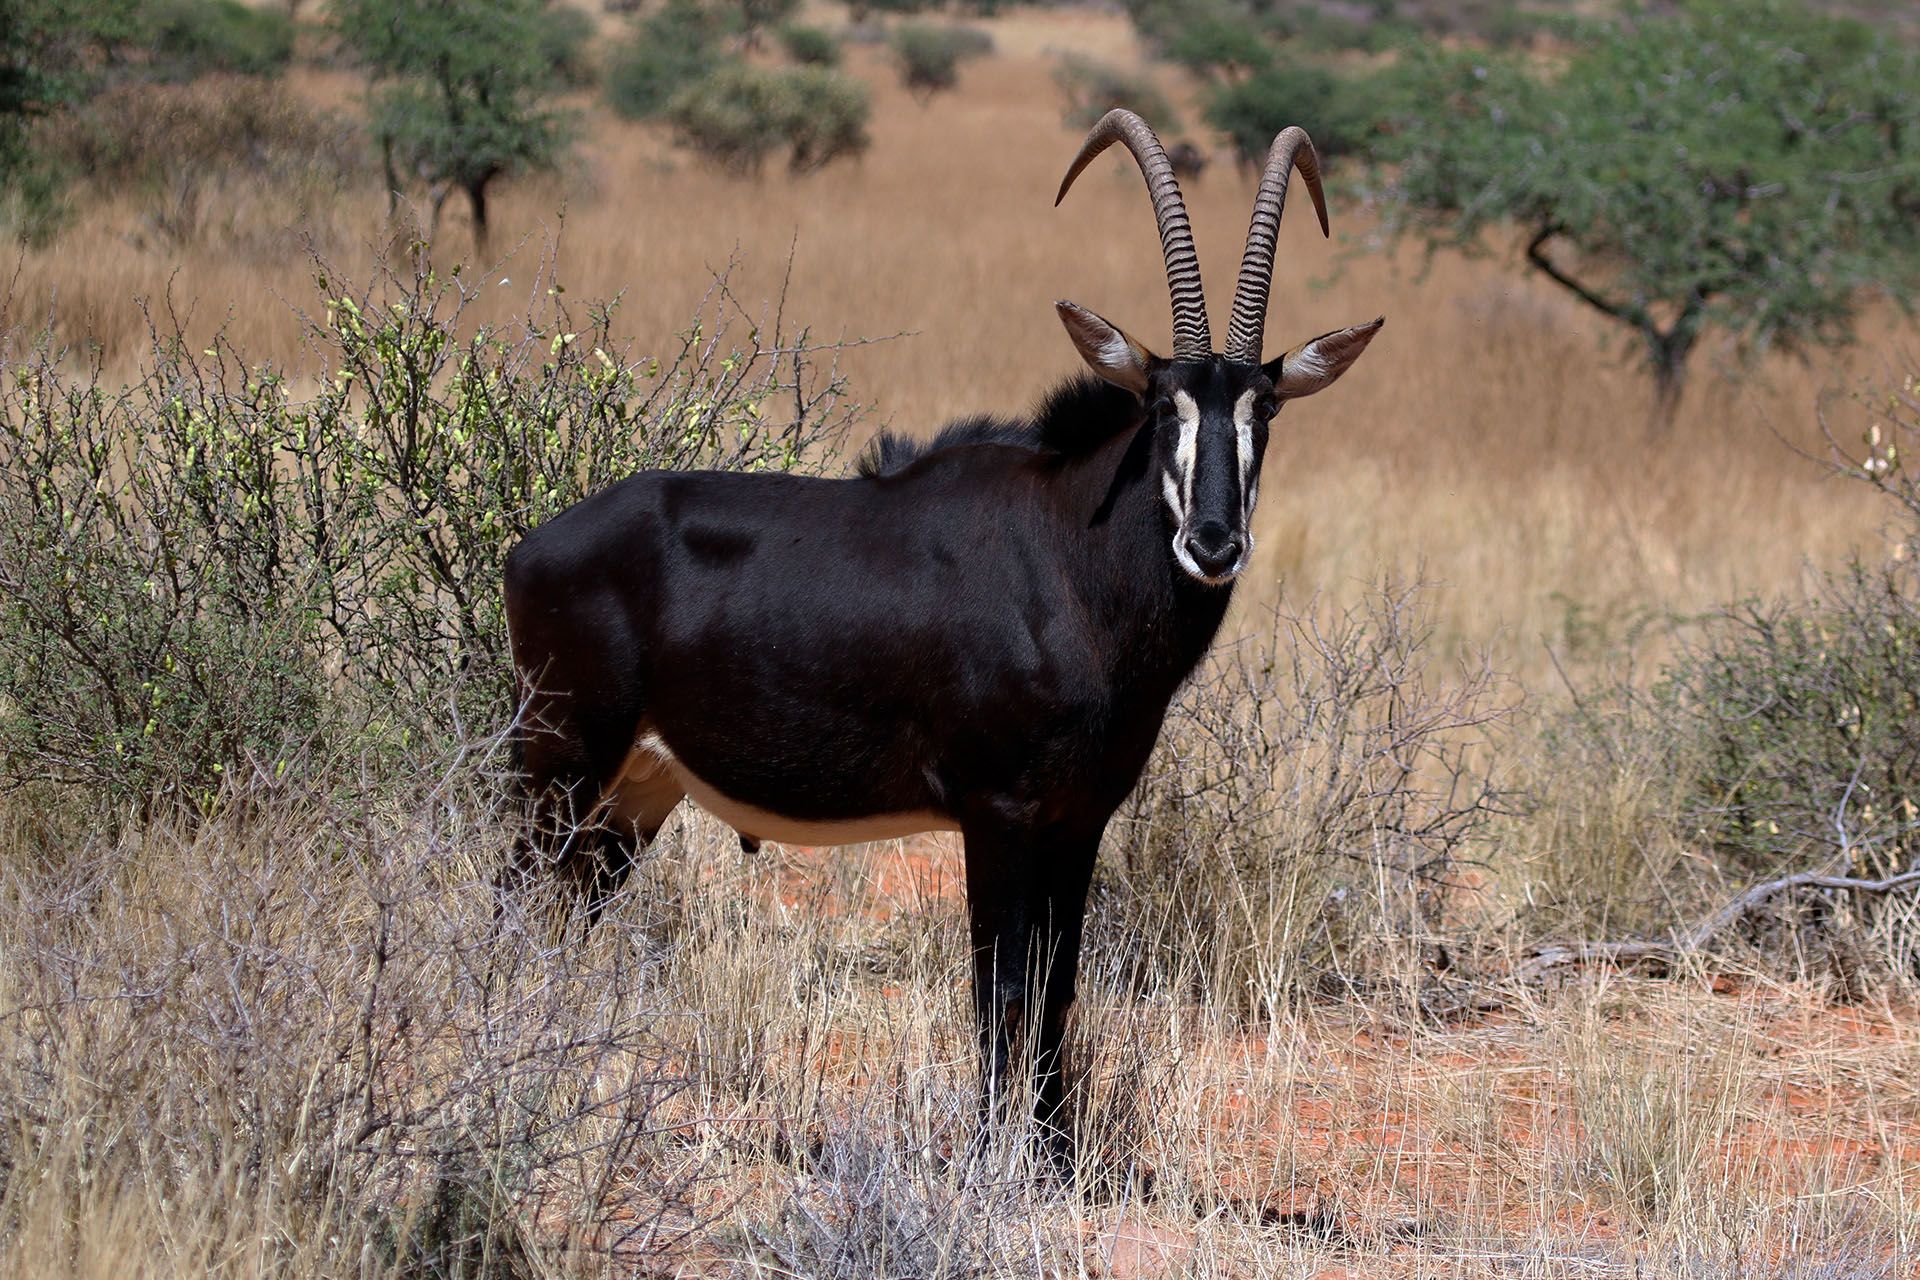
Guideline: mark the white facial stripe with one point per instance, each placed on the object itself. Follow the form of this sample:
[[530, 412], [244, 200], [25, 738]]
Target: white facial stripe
[[1243, 446], [1171, 492], [1188, 447]]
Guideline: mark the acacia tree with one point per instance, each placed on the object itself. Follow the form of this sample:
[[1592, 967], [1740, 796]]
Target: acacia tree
[[462, 92], [1746, 166]]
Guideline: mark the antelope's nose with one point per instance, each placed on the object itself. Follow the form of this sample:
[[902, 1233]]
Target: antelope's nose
[[1215, 548]]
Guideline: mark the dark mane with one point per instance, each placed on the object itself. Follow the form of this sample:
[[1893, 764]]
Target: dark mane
[[1075, 418]]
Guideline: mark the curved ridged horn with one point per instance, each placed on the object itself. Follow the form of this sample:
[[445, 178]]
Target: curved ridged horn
[[1191, 340], [1292, 149]]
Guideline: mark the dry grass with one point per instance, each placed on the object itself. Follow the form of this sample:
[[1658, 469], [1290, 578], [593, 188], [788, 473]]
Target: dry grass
[[294, 1044], [295, 1041]]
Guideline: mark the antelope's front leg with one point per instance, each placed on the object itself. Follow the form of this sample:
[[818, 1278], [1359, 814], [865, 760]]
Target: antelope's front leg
[[1059, 914], [1026, 900]]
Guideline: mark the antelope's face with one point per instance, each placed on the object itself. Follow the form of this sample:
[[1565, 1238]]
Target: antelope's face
[[1210, 412], [1211, 419], [1210, 433]]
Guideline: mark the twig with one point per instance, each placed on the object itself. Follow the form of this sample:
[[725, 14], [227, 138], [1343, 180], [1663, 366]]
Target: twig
[[1562, 954]]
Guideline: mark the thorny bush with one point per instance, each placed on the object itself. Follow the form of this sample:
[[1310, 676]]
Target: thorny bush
[[293, 1039], [1777, 739], [216, 563], [1315, 789]]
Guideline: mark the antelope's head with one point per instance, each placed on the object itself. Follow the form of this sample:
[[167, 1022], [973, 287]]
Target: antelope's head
[[1210, 411]]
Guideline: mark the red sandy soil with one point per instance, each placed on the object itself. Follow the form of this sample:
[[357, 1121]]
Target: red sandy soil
[[1353, 1150]]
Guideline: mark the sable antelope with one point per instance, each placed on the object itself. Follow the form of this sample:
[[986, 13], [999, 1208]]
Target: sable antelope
[[980, 633]]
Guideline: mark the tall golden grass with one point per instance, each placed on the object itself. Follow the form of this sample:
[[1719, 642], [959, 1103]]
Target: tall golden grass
[[1496, 435]]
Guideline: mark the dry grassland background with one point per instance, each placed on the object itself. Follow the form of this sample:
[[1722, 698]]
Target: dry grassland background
[[291, 1039], [1497, 440]]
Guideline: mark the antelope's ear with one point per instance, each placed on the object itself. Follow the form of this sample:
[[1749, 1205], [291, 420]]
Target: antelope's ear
[[1107, 350], [1317, 364]]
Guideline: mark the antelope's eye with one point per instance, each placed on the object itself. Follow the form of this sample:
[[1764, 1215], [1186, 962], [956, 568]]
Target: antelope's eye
[[1266, 406], [1161, 408]]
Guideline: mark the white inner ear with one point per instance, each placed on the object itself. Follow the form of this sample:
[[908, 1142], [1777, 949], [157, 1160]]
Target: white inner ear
[[1116, 354], [1308, 365]]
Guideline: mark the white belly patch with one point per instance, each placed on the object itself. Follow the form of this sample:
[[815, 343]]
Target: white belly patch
[[652, 762]]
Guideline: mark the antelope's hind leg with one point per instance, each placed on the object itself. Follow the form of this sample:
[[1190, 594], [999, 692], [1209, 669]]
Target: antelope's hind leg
[[596, 797], [638, 800]]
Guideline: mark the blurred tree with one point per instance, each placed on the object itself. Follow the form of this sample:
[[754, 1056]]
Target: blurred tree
[[739, 114], [1092, 88], [46, 49], [929, 55], [462, 91], [189, 38], [1340, 109], [860, 12], [673, 47], [1746, 165], [49, 53], [755, 16], [809, 46]]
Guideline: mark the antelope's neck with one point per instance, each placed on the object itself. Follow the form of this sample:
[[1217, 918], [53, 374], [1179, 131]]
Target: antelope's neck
[[1159, 620]]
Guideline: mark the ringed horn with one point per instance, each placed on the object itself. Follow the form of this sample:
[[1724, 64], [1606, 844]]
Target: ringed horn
[[1291, 150], [1191, 340]]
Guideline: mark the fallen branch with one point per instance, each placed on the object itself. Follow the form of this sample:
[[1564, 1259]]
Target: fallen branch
[[1695, 939]]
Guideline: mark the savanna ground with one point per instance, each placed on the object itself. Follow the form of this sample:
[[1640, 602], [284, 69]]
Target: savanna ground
[[290, 1039]]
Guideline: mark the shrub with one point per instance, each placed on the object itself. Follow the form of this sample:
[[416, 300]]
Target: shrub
[[177, 147], [670, 50], [1804, 715], [929, 56], [205, 570], [1312, 790], [193, 37], [1093, 88], [1335, 108], [564, 38], [809, 46], [734, 117], [742, 113], [303, 1044], [829, 118]]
